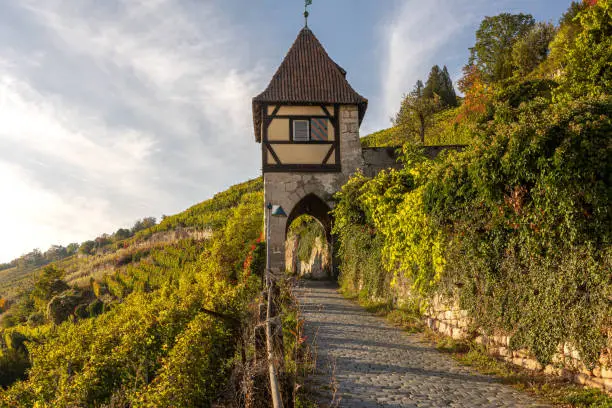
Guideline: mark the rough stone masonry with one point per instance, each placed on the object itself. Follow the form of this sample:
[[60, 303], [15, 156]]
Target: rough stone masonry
[[287, 189]]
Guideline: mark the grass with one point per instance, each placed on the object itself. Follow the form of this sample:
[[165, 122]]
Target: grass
[[408, 318], [444, 130]]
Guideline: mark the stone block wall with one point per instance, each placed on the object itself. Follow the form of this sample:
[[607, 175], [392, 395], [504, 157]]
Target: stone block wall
[[318, 266], [287, 189], [445, 316], [380, 158]]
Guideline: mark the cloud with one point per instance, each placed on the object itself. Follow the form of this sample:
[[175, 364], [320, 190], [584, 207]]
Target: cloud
[[111, 111], [39, 216], [417, 36]]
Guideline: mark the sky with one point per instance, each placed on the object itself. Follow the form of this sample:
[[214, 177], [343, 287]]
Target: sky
[[115, 110]]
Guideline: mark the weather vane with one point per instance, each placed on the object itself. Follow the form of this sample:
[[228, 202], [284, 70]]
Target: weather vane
[[306, 14]]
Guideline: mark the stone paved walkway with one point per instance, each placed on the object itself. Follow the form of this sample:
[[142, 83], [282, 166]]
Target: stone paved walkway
[[378, 365]]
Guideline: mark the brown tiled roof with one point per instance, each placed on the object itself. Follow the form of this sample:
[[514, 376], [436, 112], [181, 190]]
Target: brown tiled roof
[[307, 75]]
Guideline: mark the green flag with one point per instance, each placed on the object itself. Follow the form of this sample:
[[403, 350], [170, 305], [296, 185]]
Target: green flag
[[307, 3]]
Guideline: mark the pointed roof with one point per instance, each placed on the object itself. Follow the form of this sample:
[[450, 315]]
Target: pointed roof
[[307, 76]]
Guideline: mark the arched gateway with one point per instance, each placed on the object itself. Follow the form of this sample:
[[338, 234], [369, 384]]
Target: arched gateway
[[307, 121]]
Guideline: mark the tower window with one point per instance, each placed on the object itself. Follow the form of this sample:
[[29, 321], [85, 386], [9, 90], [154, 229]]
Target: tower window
[[310, 130], [318, 129], [301, 130]]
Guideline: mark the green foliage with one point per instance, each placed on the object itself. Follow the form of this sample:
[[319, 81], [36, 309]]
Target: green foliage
[[360, 249], [529, 221], [448, 130], [148, 340], [416, 113], [588, 59], [62, 306], [95, 308], [445, 129], [531, 50], [306, 229], [518, 225], [211, 213], [516, 92], [200, 358], [390, 137], [19, 312], [384, 234], [255, 263], [14, 340], [17, 275], [591, 398], [48, 284], [13, 366], [439, 83], [495, 38], [87, 247]]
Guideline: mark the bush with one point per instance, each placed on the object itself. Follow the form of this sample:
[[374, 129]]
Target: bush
[[15, 340], [62, 306], [95, 308], [517, 226], [155, 346], [13, 367], [36, 319]]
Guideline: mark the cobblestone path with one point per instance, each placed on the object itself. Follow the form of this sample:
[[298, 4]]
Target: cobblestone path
[[378, 365]]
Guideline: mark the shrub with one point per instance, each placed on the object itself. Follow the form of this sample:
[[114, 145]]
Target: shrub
[[517, 226], [62, 306], [155, 346], [13, 367], [36, 319], [95, 308]]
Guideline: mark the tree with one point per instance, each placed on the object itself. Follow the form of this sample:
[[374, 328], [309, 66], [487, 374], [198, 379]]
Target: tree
[[587, 65], [492, 52], [572, 11], [145, 223], [439, 83], [433, 86], [122, 233], [477, 94], [72, 248], [102, 241], [31, 260], [61, 306], [149, 222], [532, 49], [416, 113], [87, 247], [49, 283], [55, 253], [449, 95]]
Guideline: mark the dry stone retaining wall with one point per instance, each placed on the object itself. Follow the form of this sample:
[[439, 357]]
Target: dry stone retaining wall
[[446, 317]]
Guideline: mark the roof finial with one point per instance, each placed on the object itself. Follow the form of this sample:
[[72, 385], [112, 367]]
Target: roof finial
[[306, 14]]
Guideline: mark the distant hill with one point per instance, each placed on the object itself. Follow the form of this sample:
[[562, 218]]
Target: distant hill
[[446, 130], [112, 254], [131, 315]]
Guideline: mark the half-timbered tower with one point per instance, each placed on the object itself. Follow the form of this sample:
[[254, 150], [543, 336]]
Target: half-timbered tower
[[307, 121]]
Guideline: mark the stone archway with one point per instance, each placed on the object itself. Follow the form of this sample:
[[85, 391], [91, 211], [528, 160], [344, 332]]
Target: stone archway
[[312, 205], [320, 265]]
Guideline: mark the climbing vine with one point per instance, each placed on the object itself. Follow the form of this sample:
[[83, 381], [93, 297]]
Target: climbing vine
[[517, 226]]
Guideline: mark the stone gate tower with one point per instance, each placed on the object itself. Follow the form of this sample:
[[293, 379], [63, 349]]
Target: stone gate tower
[[307, 121]]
